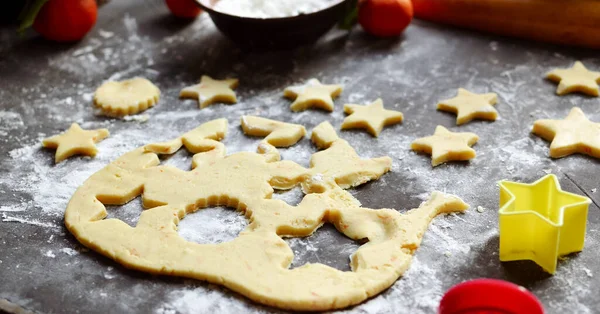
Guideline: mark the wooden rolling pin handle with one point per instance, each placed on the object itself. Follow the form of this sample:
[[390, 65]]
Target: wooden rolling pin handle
[[574, 22]]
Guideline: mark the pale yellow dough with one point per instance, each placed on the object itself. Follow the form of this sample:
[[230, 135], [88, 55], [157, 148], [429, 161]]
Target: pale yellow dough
[[210, 91], [574, 134], [445, 146], [372, 117], [313, 94], [126, 97], [575, 79], [256, 263], [469, 106], [75, 141], [277, 134]]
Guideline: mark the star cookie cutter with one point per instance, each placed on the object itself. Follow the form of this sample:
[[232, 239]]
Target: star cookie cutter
[[540, 222]]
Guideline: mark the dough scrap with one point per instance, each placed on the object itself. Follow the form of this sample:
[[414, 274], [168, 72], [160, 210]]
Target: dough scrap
[[313, 94], [445, 146], [469, 106], [574, 134], [126, 97], [210, 91], [277, 134], [75, 141], [575, 79], [256, 263], [372, 117]]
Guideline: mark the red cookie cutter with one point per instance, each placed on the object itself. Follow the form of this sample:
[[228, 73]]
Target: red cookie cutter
[[489, 296]]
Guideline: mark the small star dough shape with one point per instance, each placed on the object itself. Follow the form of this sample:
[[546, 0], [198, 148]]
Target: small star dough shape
[[126, 97], [575, 79], [445, 146], [278, 134], [469, 106], [210, 91], [313, 94], [372, 117], [75, 141], [574, 134]]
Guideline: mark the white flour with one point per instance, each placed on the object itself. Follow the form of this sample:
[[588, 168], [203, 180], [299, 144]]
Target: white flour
[[271, 8]]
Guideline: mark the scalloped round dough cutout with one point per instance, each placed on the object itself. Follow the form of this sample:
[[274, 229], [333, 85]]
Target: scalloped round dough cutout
[[121, 98]]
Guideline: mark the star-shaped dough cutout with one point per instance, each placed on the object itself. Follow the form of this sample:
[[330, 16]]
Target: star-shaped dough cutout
[[75, 141], [551, 219], [574, 134], [469, 106], [575, 79], [372, 117], [445, 146], [210, 91], [313, 94]]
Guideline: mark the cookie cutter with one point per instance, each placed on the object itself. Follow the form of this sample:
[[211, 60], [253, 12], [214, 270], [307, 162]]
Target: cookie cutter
[[540, 222]]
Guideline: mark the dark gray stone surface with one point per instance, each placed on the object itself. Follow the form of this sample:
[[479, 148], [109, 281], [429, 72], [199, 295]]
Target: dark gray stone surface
[[44, 87]]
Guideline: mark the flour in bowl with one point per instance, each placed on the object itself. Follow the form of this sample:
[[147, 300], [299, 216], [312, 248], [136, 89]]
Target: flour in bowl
[[271, 8]]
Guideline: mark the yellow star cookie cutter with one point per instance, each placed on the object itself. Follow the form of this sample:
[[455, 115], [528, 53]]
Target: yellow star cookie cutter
[[540, 222]]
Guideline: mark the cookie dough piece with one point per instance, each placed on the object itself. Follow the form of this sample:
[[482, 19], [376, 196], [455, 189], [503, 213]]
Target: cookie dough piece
[[75, 141], [575, 79], [445, 146], [313, 94], [278, 134], [256, 263], [210, 91], [469, 106], [574, 134], [372, 117], [126, 97], [339, 162]]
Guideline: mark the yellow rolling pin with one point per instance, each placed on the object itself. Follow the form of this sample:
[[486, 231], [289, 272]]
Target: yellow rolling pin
[[572, 22]]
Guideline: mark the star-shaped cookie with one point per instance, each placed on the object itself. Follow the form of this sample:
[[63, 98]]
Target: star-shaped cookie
[[372, 117], [210, 91], [575, 79], [313, 94], [469, 106], [574, 134], [75, 141], [445, 146]]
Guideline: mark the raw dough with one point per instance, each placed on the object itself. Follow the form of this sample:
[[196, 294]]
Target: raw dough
[[469, 106], [372, 117], [278, 134], [75, 141], [574, 134], [210, 91], [445, 146], [313, 94], [256, 263], [126, 97], [575, 79]]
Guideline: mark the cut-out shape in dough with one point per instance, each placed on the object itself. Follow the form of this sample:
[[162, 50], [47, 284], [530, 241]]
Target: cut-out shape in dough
[[445, 146], [339, 162], [575, 79], [278, 134], [372, 117], [574, 134], [126, 97], [75, 141], [468, 106], [313, 94], [256, 263], [210, 91]]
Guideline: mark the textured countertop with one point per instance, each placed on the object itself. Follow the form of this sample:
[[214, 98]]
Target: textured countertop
[[45, 87]]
